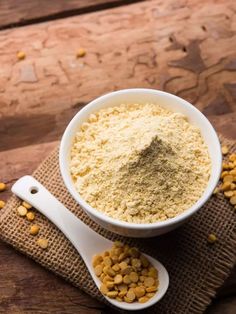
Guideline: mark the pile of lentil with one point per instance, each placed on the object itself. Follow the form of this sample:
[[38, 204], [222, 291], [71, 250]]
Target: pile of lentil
[[126, 274], [139, 163], [228, 177], [227, 183]]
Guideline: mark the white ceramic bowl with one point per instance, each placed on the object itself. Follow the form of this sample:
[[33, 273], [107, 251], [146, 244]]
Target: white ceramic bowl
[[141, 95]]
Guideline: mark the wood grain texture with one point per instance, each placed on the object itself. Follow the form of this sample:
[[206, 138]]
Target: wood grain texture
[[225, 303], [13, 13], [26, 287], [184, 47]]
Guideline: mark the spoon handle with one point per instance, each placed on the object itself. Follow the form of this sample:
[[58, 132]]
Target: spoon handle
[[85, 240]]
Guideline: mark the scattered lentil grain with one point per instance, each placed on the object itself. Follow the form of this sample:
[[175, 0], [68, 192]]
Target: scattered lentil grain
[[98, 270], [30, 216], [107, 261], [21, 55], [110, 284], [118, 279], [149, 282], [134, 277], [131, 295], [232, 157], [21, 210], [126, 279], [212, 238], [139, 291], [34, 229], [128, 300], [233, 200], [228, 194], [2, 204], [26, 205], [151, 289], [143, 299], [81, 53], [224, 150], [112, 294], [226, 186], [97, 259], [103, 289], [2, 186], [116, 267], [119, 299], [43, 243], [228, 176]]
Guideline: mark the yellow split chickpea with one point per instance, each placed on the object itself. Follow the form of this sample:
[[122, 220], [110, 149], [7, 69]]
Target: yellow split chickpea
[[21, 55], [81, 53], [30, 216], [2, 204], [43, 243], [26, 205], [2, 186], [212, 238], [228, 176], [21, 210], [126, 275], [34, 229]]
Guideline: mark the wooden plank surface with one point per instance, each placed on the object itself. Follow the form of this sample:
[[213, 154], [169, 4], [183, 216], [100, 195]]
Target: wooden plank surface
[[24, 12], [25, 287], [187, 48]]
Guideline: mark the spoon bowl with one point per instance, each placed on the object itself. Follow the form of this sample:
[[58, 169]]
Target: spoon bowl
[[86, 241]]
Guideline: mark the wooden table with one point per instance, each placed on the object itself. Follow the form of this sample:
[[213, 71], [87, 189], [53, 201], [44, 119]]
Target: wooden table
[[183, 47]]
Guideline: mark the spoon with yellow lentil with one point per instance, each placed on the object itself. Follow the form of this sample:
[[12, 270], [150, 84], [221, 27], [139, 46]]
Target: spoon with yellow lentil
[[127, 278]]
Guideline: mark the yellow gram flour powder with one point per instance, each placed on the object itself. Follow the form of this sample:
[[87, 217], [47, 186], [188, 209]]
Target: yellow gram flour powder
[[139, 163]]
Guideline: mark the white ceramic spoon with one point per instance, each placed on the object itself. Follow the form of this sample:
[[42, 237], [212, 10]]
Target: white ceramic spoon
[[86, 241]]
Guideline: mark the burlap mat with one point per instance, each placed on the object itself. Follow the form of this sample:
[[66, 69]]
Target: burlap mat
[[196, 268]]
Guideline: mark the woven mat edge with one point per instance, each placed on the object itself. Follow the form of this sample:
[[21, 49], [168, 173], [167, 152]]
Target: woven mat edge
[[216, 277]]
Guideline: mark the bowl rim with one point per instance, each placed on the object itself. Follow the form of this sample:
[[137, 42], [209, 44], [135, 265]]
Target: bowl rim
[[119, 223]]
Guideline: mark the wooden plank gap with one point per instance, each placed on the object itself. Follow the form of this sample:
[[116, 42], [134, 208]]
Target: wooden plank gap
[[11, 16]]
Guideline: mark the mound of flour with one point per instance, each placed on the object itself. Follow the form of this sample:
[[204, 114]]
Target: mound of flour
[[139, 163]]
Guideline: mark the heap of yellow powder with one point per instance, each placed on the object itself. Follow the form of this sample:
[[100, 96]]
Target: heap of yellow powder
[[139, 163]]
